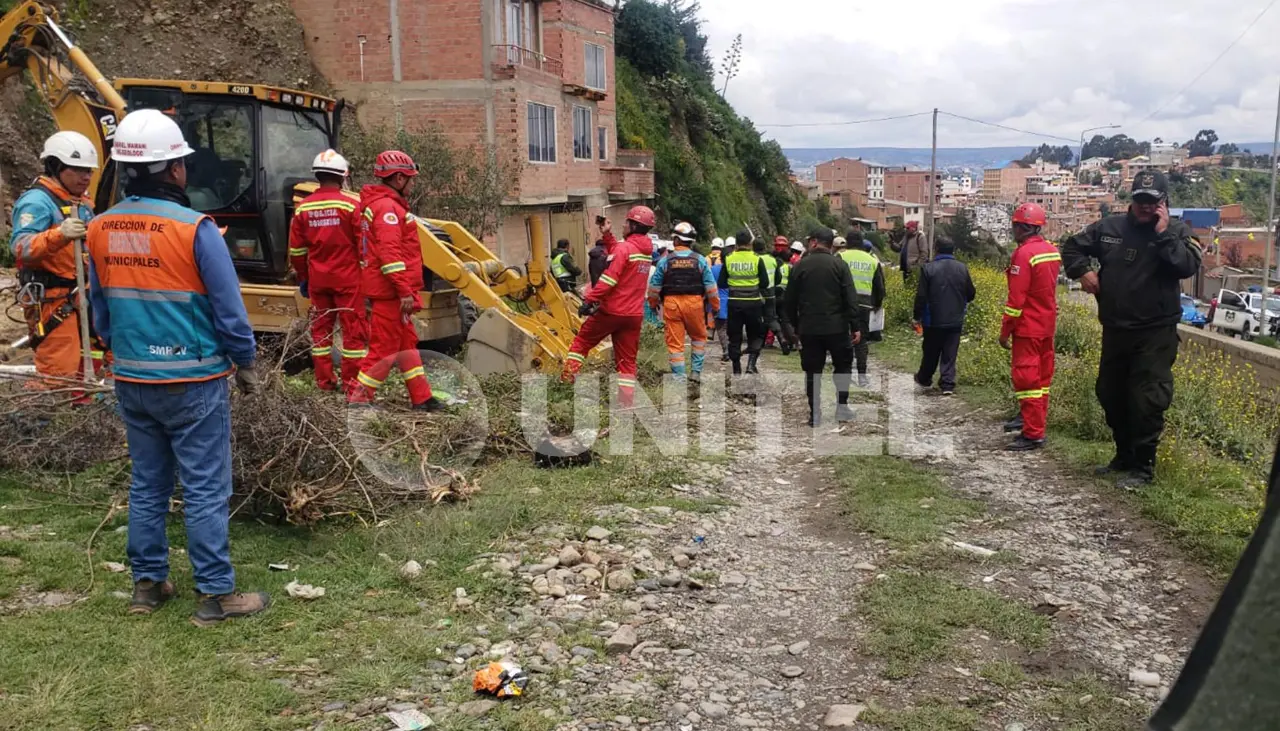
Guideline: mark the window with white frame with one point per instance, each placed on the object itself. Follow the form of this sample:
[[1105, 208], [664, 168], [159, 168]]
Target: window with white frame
[[596, 78], [602, 142], [581, 133], [542, 133]]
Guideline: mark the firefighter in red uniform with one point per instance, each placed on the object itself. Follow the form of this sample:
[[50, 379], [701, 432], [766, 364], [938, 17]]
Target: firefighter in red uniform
[[326, 256], [391, 259], [1030, 317], [615, 305]]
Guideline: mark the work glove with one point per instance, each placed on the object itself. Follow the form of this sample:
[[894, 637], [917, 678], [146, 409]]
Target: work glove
[[587, 309], [304, 290], [247, 380], [72, 229]]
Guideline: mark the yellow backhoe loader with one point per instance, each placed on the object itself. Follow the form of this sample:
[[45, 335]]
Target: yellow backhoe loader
[[254, 147]]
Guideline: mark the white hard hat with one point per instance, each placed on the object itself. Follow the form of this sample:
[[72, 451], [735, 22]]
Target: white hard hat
[[840, 242], [331, 162], [729, 242], [797, 246], [685, 231], [71, 149], [717, 243], [148, 136]]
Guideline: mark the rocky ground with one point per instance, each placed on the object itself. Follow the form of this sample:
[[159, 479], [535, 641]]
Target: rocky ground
[[752, 615]]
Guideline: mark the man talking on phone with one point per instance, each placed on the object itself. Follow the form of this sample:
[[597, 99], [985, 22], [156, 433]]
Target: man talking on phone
[[1142, 256]]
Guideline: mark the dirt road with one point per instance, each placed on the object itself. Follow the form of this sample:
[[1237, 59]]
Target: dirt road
[[834, 590]]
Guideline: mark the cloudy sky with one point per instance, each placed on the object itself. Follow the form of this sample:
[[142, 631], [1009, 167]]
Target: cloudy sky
[[1052, 66]]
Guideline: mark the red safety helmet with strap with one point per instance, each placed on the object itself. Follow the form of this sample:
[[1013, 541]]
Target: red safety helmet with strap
[[1030, 214], [643, 215], [780, 243], [394, 161]]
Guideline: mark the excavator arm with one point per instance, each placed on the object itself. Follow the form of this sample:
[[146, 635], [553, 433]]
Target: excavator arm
[[77, 94]]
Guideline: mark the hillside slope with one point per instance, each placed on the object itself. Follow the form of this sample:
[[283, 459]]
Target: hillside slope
[[234, 40], [713, 167]]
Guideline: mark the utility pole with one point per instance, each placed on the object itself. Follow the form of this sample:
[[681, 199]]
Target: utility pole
[[933, 181], [1263, 324]]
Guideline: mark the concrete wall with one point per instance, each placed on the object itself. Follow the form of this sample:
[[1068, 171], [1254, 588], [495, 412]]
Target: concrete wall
[[1265, 361]]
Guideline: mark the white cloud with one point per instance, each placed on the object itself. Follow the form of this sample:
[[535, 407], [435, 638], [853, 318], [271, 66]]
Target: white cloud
[[1053, 66]]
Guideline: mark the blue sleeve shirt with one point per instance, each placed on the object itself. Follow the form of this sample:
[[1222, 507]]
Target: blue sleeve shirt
[[230, 318]]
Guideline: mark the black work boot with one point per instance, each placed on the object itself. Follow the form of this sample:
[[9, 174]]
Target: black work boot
[[1137, 477], [845, 414], [149, 595], [1013, 425], [737, 366], [1022, 444], [751, 363], [432, 405], [211, 609]]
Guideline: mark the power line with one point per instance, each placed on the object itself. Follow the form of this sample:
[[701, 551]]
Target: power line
[[847, 123], [1011, 129], [1215, 61]]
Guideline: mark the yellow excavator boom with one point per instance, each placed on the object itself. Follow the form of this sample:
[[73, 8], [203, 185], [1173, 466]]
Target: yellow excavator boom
[[77, 94]]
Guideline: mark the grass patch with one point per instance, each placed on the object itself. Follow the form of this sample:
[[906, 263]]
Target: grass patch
[[914, 619], [373, 634], [1086, 703], [899, 501], [931, 715], [1003, 673]]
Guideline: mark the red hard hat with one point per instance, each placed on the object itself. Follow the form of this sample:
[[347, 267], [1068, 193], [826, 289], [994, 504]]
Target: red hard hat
[[394, 161], [643, 215], [1030, 214], [780, 243], [913, 225]]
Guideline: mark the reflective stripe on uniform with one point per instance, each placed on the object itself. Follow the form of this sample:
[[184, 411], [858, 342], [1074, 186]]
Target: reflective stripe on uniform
[[1028, 395], [368, 214], [321, 352], [324, 205], [393, 267], [1012, 312], [608, 280], [640, 257], [558, 269], [415, 373], [367, 380], [298, 252], [352, 354], [1045, 258], [579, 357], [743, 277]]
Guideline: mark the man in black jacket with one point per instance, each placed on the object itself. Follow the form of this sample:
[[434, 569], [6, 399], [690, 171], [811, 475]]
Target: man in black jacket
[[597, 261], [823, 304], [1143, 255], [942, 297]]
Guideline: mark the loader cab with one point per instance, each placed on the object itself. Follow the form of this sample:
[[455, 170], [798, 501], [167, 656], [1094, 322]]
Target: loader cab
[[252, 145]]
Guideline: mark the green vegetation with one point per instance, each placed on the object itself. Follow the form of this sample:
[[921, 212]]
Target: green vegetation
[[373, 634], [1215, 187], [1219, 438], [713, 167], [899, 501], [931, 715]]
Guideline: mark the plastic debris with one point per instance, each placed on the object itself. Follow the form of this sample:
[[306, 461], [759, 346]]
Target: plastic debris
[[501, 680], [278, 566], [409, 720], [304, 591], [975, 550], [115, 568]]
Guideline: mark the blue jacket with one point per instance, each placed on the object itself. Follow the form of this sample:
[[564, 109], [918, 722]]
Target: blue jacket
[[167, 304], [35, 242], [723, 314], [943, 293]]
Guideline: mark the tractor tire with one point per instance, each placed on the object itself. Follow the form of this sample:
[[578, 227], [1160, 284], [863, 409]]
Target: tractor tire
[[468, 313]]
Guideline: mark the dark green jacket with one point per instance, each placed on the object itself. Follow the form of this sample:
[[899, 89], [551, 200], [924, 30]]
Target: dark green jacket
[[820, 297], [1140, 270]]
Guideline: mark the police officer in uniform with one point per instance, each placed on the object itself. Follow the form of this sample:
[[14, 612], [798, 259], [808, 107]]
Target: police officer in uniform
[[868, 280], [1143, 255], [565, 271], [750, 295]]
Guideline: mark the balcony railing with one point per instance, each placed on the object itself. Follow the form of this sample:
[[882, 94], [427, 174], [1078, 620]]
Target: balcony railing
[[513, 56]]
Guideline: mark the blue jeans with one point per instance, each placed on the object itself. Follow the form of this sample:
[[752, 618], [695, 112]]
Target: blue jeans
[[181, 430]]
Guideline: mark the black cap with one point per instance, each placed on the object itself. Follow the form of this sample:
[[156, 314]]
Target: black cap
[[1152, 183]]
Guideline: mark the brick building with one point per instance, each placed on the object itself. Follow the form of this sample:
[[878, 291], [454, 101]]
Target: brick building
[[1007, 184], [914, 186], [860, 176], [532, 80]]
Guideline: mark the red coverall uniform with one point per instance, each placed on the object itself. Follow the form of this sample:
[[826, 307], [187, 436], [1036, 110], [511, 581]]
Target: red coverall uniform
[[391, 259], [621, 292], [325, 252], [1030, 317]]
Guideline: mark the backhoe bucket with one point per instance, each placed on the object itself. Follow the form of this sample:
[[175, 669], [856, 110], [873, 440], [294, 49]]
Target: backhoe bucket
[[496, 344]]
